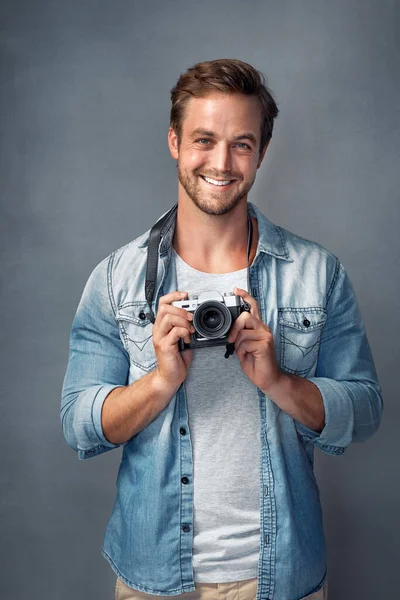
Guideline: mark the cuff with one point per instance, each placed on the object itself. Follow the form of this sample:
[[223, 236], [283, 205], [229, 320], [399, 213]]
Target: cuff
[[87, 421], [339, 417]]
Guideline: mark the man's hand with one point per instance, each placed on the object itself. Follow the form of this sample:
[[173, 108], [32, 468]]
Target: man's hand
[[254, 345], [172, 323], [129, 409]]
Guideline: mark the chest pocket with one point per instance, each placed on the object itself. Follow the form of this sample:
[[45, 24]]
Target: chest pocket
[[136, 334], [300, 332]]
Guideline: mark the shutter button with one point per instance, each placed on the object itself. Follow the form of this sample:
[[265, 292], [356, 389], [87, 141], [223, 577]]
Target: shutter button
[[306, 323], [142, 316]]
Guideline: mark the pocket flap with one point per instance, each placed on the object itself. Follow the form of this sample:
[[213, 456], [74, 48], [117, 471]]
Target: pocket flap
[[133, 312], [302, 319]]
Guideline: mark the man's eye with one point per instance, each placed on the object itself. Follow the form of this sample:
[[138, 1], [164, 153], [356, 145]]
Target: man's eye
[[203, 141], [243, 146]]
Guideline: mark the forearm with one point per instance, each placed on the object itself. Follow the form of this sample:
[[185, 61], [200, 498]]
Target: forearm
[[128, 410], [300, 399]]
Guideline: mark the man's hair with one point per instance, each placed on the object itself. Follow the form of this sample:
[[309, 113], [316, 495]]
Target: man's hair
[[229, 76]]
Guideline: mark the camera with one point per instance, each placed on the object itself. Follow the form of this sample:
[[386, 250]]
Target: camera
[[213, 316]]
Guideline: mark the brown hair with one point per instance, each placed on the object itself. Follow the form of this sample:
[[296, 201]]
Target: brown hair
[[225, 75]]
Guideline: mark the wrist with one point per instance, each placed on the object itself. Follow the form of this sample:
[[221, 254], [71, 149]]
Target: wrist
[[161, 386], [278, 385]]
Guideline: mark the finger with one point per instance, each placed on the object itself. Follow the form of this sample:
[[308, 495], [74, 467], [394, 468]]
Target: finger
[[251, 335], [168, 322], [176, 334], [247, 347], [168, 309], [172, 297], [244, 321], [187, 356], [249, 299]]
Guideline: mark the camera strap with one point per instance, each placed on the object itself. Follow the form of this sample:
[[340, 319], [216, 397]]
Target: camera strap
[[230, 348], [249, 241], [156, 233]]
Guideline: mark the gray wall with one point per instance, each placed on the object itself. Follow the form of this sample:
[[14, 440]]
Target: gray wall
[[85, 168]]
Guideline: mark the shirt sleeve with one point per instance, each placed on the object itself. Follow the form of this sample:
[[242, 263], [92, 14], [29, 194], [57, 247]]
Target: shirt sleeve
[[98, 363], [345, 375]]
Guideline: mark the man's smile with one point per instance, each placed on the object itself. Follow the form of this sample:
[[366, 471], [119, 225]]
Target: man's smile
[[217, 182]]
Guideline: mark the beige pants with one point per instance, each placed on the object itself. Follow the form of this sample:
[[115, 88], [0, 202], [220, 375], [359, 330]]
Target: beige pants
[[241, 590]]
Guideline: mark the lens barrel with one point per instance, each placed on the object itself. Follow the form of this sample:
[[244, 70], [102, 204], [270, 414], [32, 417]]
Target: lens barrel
[[212, 319]]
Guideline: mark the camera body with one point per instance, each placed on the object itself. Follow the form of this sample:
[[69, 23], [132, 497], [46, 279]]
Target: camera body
[[213, 316]]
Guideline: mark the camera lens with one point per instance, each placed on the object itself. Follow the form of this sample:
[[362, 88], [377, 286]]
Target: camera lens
[[212, 319]]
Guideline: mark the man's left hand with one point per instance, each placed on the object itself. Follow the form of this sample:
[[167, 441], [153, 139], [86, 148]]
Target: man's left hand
[[254, 346]]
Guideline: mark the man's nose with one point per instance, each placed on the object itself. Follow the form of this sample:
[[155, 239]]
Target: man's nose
[[222, 159]]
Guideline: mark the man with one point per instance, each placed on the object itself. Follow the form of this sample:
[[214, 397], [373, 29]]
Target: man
[[216, 492]]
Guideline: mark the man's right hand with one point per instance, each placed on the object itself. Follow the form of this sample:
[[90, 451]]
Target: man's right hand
[[129, 409], [171, 325]]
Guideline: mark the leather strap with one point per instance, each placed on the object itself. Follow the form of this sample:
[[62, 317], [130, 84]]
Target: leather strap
[[156, 233]]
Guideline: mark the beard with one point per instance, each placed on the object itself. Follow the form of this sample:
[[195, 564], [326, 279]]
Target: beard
[[209, 202]]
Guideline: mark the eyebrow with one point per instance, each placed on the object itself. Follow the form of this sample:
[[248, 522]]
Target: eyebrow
[[243, 136], [200, 131], [246, 136]]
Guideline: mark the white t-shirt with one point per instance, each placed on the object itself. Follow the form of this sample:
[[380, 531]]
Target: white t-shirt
[[224, 421]]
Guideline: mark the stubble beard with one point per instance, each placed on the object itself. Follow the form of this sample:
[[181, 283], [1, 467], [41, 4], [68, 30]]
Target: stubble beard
[[204, 201]]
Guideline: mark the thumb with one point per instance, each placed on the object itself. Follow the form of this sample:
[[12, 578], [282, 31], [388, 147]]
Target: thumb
[[187, 356]]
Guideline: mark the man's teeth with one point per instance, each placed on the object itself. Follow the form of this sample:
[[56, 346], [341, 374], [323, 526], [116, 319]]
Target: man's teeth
[[216, 182]]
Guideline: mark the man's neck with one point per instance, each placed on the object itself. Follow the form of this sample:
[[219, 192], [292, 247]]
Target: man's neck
[[214, 243]]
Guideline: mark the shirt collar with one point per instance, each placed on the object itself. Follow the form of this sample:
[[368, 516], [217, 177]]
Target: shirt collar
[[270, 237]]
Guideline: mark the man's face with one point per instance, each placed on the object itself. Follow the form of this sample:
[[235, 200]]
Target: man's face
[[219, 151]]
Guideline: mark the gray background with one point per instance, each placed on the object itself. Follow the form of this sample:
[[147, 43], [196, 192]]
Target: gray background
[[85, 168]]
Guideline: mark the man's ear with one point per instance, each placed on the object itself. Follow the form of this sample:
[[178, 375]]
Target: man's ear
[[262, 154], [173, 143]]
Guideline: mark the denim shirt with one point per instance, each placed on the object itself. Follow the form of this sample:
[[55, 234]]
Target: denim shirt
[[307, 301]]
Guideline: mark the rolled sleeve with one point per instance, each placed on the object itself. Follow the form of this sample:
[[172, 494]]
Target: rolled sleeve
[[87, 421], [345, 375], [98, 364]]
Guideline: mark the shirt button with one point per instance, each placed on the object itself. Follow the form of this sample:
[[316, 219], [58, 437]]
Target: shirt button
[[142, 316], [185, 528], [182, 431], [185, 480], [306, 323]]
